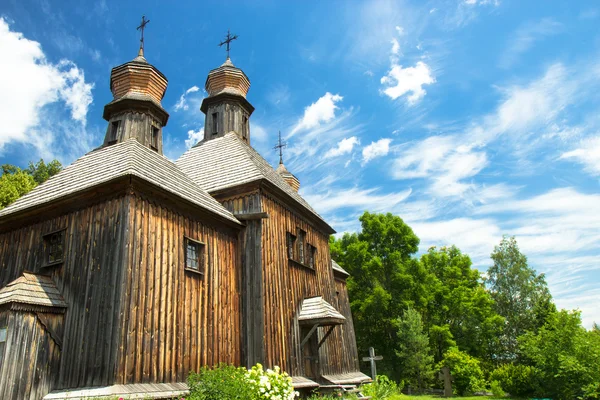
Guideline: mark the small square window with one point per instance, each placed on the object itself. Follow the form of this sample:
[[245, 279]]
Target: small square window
[[245, 127], [54, 244], [194, 256], [291, 243]]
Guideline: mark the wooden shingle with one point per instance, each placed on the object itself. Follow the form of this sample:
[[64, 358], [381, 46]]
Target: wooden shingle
[[32, 289], [316, 310]]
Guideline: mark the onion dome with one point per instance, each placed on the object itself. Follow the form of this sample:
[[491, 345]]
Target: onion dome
[[288, 177], [138, 81]]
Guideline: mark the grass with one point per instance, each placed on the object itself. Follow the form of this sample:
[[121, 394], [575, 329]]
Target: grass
[[429, 397]]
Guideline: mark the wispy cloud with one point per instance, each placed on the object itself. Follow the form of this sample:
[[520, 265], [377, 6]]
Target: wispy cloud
[[588, 155], [354, 198], [182, 103], [526, 37], [194, 137]]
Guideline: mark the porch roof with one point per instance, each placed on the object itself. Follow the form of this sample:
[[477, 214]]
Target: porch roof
[[316, 310]]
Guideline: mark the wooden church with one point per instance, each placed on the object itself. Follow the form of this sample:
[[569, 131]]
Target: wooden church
[[126, 271]]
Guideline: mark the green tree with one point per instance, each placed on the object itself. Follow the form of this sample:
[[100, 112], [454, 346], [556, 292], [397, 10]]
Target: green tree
[[41, 171], [384, 281], [466, 371], [14, 183], [520, 295], [565, 356], [414, 353], [461, 312]]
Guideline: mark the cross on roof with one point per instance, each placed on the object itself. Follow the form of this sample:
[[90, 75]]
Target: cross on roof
[[280, 146], [141, 28], [372, 358], [228, 39]]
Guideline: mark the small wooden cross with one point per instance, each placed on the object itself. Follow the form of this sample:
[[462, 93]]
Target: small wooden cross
[[141, 28], [372, 358], [227, 41], [280, 145]]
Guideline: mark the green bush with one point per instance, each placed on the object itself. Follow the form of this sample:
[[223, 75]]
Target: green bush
[[226, 382], [382, 388], [466, 371], [496, 389], [517, 380], [221, 382]]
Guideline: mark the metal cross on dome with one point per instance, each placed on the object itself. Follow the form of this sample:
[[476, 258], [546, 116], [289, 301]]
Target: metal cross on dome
[[280, 146], [141, 28], [228, 39]]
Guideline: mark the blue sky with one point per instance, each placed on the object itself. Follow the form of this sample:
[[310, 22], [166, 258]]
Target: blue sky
[[470, 119]]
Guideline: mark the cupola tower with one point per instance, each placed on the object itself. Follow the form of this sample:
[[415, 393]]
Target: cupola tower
[[136, 112], [226, 107]]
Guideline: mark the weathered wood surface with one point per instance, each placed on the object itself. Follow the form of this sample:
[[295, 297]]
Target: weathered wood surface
[[288, 283], [30, 358], [135, 124]]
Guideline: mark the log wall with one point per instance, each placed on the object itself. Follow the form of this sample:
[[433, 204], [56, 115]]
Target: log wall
[[89, 279], [31, 355], [287, 283], [175, 321]]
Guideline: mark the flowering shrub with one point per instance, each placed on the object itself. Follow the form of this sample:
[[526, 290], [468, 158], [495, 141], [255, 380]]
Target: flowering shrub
[[270, 384], [227, 382]]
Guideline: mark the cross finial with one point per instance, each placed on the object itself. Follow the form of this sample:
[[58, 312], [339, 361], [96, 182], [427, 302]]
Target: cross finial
[[141, 28], [280, 145], [228, 39]]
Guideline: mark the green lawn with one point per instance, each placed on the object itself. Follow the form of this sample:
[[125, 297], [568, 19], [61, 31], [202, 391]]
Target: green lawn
[[424, 397]]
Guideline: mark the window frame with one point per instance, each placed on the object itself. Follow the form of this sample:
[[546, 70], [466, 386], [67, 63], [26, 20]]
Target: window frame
[[114, 129], [215, 123], [200, 253], [3, 343], [312, 251], [47, 237], [154, 132], [290, 240], [301, 246]]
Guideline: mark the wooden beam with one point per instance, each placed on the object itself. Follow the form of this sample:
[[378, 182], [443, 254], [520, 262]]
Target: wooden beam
[[251, 216], [325, 337], [310, 333]]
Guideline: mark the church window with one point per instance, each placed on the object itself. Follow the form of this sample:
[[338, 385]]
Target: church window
[[54, 247], [3, 336], [215, 123], [301, 246], [291, 243], [312, 250], [154, 139], [245, 127], [114, 130], [194, 256]]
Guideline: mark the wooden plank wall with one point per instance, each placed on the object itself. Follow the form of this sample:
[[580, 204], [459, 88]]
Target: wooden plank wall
[[135, 124], [175, 321], [89, 280], [31, 356], [253, 316], [287, 284]]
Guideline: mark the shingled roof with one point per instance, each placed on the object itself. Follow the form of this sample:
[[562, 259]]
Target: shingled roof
[[315, 310], [227, 162], [32, 289], [108, 163], [337, 268]]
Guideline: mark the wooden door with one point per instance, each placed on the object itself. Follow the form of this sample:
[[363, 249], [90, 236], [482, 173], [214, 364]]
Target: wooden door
[[310, 354]]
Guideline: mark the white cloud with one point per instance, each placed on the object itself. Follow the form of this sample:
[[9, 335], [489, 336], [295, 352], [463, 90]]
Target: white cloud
[[395, 46], [361, 199], [344, 146], [376, 149], [182, 104], [587, 154], [525, 38], [194, 137], [321, 111], [400, 81], [30, 84], [258, 133]]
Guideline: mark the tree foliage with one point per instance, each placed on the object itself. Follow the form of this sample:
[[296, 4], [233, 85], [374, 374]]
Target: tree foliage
[[15, 182], [466, 371], [414, 353], [521, 296]]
